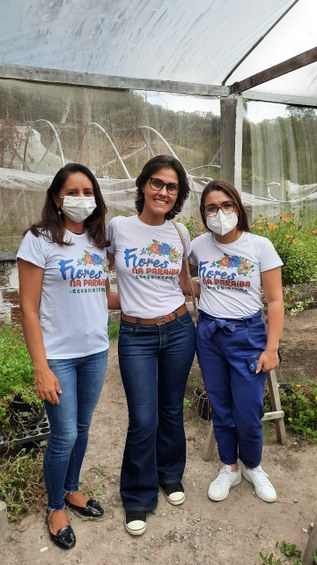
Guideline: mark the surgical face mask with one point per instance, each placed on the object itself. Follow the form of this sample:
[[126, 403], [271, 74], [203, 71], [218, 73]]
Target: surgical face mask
[[222, 223], [78, 208]]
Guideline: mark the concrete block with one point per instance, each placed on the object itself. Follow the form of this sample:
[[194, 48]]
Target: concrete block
[[4, 524]]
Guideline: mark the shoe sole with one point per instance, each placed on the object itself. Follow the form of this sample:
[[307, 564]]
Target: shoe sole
[[135, 532], [219, 499], [257, 494], [175, 502]]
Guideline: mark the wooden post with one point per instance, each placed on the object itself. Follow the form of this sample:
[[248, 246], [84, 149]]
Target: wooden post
[[277, 415], [210, 444], [311, 546]]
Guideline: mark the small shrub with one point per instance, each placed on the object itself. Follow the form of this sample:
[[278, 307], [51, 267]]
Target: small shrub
[[194, 227], [113, 329], [295, 243], [289, 549], [16, 378], [299, 402]]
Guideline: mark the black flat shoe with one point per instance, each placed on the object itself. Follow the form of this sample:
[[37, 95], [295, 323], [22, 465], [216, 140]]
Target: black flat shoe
[[64, 538], [92, 509]]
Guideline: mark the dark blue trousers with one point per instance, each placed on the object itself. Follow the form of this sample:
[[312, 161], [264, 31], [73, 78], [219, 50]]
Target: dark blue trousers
[[154, 363], [226, 350]]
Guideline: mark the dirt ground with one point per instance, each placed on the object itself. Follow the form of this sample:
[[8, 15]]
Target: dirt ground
[[200, 532]]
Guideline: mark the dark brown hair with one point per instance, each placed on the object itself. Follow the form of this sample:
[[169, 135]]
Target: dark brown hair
[[149, 169], [51, 222], [233, 194]]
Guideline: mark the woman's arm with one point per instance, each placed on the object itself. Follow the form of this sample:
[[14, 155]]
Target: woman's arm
[[30, 282], [184, 283], [273, 293], [111, 260], [113, 298]]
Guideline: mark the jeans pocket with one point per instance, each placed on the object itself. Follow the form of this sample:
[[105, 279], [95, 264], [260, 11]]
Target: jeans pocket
[[185, 319], [252, 361], [127, 329]]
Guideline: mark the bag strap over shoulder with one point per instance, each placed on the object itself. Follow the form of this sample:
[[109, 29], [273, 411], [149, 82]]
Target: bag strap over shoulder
[[189, 278]]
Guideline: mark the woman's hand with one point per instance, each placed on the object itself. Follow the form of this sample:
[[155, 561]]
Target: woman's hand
[[46, 385], [268, 360]]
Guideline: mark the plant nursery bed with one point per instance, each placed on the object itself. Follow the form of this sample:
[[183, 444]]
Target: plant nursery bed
[[32, 434]]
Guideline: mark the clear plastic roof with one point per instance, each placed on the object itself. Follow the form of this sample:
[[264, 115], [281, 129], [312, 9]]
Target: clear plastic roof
[[179, 40]]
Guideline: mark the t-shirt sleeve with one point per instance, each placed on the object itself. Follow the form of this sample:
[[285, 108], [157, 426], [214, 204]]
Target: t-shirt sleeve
[[111, 231], [32, 250], [192, 256], [186, 237], [269, 257]]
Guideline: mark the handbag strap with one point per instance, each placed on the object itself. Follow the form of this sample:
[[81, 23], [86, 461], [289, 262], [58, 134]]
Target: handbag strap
[[189, 278]]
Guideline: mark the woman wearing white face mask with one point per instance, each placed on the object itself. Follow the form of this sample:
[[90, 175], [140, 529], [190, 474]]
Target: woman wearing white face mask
[[235, 351], [64, 297]]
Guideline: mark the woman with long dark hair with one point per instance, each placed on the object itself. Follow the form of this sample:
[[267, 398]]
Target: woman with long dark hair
[[64, 297]]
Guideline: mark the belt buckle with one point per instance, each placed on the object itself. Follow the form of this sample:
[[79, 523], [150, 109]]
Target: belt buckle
[[160, 320]]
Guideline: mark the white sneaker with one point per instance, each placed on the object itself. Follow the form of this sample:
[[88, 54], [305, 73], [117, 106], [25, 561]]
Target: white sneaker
[[262, 486], [220, 487]]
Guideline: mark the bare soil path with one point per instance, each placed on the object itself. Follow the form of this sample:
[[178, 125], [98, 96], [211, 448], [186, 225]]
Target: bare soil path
[[199, 532]]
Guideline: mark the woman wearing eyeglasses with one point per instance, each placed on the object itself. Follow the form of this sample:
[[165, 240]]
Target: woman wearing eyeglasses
[[157, 338], [235, 351]]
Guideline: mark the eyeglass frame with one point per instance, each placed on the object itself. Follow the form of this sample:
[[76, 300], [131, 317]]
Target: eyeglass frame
[[234, 206], [166, 184]]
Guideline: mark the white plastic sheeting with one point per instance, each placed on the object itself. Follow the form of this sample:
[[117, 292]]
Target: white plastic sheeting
[[179, 40]]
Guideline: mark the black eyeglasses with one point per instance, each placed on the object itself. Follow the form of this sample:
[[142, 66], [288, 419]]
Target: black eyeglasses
[[158, 184], [226, 207]]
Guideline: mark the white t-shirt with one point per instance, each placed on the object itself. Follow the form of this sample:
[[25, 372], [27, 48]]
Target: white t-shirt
[[73, 307], [230, 273], [148, 263]]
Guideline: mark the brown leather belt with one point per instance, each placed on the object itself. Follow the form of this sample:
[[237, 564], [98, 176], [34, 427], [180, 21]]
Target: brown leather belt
[[156, 321]]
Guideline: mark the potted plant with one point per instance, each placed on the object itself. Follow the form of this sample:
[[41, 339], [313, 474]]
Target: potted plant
[[19, 405]]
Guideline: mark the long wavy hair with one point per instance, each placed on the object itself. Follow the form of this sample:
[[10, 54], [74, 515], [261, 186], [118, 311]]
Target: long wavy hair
[[152, 167], [233, 194], [51, 222]]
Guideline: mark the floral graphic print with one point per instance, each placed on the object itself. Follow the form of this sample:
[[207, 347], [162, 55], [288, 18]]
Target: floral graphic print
[[94, 259], [157, 248], [242, 265]]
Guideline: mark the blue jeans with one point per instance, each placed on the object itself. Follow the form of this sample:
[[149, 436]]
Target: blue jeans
[[155, 362], [81, 380], [226, 349]]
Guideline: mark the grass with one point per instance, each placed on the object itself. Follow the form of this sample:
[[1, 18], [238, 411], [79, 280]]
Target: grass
[[21, 482]]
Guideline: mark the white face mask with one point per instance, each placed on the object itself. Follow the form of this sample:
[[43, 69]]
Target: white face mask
[[222, 223], [78, 208]]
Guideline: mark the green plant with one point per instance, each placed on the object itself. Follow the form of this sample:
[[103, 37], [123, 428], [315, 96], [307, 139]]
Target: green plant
[[194, 227], [301, 305], [113, 329], [21, 482], [299, 402], [16, 378], [289, 549], [269, 559], [294, 241], [15, 363]]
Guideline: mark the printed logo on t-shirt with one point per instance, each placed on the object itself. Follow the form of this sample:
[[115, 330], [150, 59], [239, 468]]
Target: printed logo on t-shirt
[[153, 261], [226, 273], [87, 274]]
